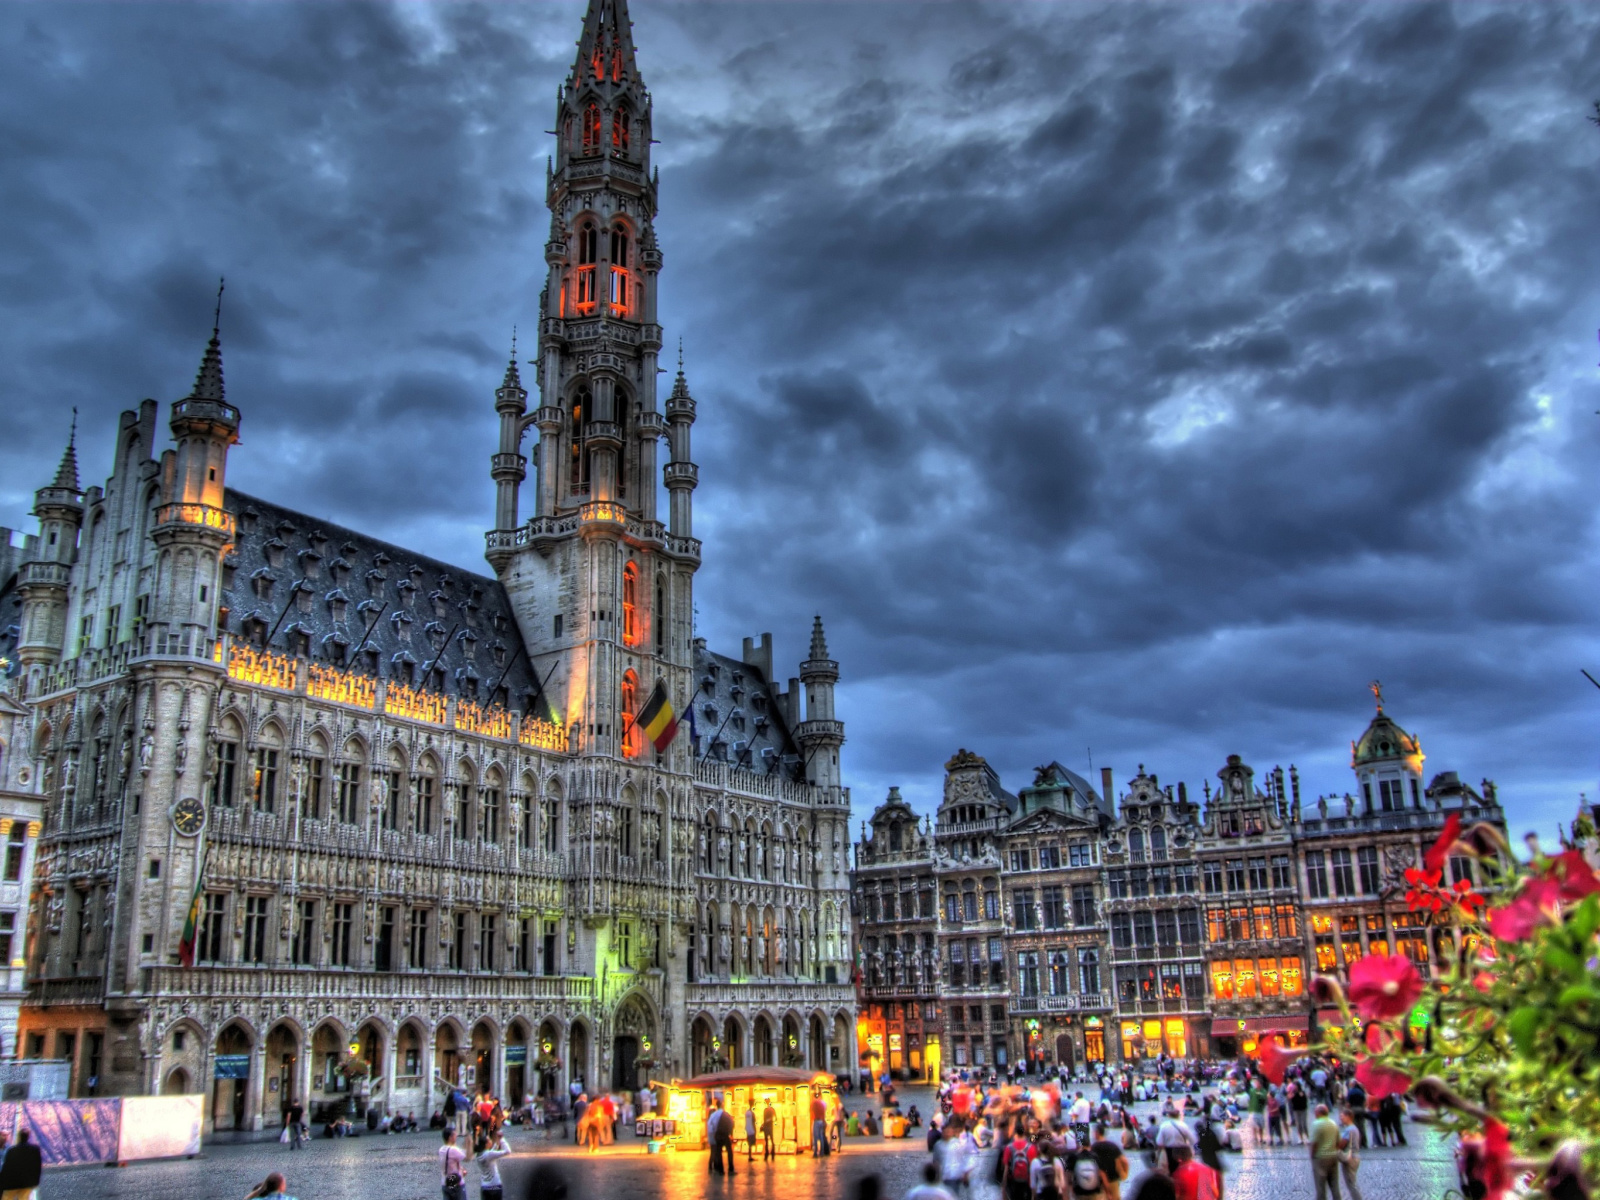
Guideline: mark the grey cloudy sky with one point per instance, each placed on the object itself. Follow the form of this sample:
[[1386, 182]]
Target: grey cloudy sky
[[1129, 376]]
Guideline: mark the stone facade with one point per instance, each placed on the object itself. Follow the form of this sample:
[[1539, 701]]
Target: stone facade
[[1077, 927], [422, 834]]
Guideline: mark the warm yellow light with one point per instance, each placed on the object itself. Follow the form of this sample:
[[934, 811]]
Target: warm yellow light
[[487, 720], [328, 683], [415, 705], [249, 665]]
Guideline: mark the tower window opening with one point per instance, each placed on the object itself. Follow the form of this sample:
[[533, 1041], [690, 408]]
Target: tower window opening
[[632, 741], [630, 605], [597, 61], [591, 129], [618, 298], [580, 456], [616, 64], [583, 284], [619, 127]]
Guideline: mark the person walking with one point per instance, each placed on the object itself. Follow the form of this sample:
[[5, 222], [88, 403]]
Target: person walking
[[1298, 1104], [294, 1122], [725, 1138], [750, 1135], [1349, 1152], [452, 1168], [714, 1163], [769, 1120], [1325, 1154], [489, 1185]]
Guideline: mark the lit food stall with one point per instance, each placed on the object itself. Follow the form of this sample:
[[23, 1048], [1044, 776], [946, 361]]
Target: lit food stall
[[791, 1089]]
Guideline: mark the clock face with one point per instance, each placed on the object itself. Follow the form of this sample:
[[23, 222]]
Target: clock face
[[188, 815]]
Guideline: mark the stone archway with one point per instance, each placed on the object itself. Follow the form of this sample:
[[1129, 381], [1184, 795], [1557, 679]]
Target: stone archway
[[578, 1053], [547, 1058], [761, 1041], [518, 1061], [701, 1034], [447, 1054], [819, 1045], [733, 1040], [483, 1047], [283, 1067], [176, 1083], [230, 1091], [633, 1038]]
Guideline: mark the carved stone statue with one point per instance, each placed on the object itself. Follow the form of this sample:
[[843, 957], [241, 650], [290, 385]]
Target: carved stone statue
[[147, 750]]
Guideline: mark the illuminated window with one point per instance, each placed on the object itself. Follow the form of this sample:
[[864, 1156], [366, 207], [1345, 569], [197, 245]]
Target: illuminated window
[[1177, 1041], [1288, 923], [619, 126], [1222, 980], [1268, 969], [1289, 977], [1321, 923], [1244, 978], [630, 605], [1327, 960], [583, 298], [632, 741], [591, 129], [618, 298]]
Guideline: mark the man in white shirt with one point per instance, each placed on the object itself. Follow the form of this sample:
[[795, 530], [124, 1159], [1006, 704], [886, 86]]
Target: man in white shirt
[[1080, 1110]]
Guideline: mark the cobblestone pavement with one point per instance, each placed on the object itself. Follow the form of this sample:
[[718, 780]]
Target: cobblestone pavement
[[403, 1168]]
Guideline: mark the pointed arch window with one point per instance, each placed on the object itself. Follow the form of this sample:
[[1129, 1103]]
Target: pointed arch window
[[583, 284], [591, 129], [619, 272], [597, 61], [630, 605], [620, 131], [616, 64], [581, 408], [632, 740]]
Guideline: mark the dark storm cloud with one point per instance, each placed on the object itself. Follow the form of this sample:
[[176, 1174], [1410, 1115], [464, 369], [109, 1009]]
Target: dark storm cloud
[[1143, 378]]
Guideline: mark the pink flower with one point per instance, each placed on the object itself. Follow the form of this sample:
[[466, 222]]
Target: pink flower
[[1384, 986], [1537, 904], [1275, 1059], [1381, 1081], [1576, 877], [1486, 1160], [1439, 852]]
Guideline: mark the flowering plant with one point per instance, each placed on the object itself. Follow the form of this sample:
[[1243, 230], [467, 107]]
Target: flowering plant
[[1504, 1044]]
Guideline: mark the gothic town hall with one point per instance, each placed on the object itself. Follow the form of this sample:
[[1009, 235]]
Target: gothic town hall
[[424, 837]]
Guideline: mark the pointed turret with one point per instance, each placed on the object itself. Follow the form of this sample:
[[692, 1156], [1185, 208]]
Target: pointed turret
[[820, 734], [681, 475], [507, 467], [67, 473], [208, 380], [819, 639]]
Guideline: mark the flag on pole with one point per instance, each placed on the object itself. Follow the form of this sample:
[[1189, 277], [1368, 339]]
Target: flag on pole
[[659, 722], [191, 923]]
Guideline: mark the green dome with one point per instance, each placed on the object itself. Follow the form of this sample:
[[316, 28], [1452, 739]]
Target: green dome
[[1384, 741]]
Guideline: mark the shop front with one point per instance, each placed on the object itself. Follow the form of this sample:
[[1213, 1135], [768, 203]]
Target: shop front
[[789, 1089], [1153, 1037]]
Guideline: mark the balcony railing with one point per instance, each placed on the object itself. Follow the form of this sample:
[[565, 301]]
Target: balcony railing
[[206, 515]]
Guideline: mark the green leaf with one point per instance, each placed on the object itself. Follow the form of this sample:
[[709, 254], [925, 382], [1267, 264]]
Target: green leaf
[[1577, 993], [1524, 1025], [1564, 961], [1585, 918]]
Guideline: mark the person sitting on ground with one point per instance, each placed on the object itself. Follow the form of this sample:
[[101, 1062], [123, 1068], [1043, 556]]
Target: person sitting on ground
[[273, 1187], [869, 1124], [913, 1117], [852, 1124]]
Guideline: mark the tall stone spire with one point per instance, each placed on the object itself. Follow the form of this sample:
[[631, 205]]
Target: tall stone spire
[[819, 641], [67, 473], [605, 51], [208, 382]]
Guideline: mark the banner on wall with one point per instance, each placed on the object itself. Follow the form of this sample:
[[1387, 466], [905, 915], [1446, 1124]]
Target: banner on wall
[[73, 1131], [233, 1066]]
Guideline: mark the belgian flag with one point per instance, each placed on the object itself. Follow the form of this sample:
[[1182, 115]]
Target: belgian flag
[[659, 722], [192, 921]]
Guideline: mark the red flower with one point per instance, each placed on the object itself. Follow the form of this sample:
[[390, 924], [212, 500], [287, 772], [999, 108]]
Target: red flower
[[1384, 986], [1573, 872], [1434, 859], [1275, 1059], [1486, 1160], [1381, 1081], [1539, 903]]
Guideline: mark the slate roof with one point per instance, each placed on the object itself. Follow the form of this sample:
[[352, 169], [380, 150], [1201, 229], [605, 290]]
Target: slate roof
[[348, 579], [731, 691]]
